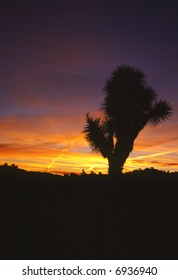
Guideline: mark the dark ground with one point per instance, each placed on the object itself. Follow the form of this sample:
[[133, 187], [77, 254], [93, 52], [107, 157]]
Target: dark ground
[[45, 216]]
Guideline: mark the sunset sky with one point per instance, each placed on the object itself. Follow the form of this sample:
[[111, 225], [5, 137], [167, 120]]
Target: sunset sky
[[55, 57]]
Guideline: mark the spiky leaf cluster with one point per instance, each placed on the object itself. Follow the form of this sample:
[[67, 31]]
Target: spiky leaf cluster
[[131, 102], [99, 134]]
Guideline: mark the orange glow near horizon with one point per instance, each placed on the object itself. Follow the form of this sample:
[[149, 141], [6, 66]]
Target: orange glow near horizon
[[76, 162], [42, 148], [76, 156]]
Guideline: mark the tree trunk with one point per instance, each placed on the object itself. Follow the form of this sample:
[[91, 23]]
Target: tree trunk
[[118, 158], [114, 166]]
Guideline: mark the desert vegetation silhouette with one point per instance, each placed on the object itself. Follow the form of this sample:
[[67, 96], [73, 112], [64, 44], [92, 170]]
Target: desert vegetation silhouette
[[129, 105]]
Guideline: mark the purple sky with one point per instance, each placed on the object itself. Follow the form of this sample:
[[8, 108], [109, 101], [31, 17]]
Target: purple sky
[[55, 57]]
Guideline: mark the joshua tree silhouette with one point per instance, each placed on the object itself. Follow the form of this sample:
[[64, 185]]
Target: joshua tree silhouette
[[129, 105]]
